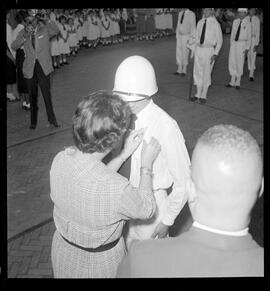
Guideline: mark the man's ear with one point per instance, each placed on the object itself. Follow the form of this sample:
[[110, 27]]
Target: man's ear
[[191, 191], [262, 188]]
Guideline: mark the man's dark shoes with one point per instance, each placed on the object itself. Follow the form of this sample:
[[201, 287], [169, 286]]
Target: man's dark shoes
[[33, 126], [202, 101], [251, 79], [183, 74], [53, 124], [228, 86], [193, 99], [176, 73], [237, 87]]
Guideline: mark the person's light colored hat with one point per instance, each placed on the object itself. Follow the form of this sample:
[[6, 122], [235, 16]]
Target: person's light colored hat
[[242, 10], [135, 79]]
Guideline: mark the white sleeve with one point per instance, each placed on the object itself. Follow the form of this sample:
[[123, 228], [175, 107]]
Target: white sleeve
[[219, 39], [179, 168], [193, 22], [177, 27], [258, 26], [248, 42], [232, 32]]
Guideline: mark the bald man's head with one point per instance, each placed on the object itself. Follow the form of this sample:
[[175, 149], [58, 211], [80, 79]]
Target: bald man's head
[[226, 170]]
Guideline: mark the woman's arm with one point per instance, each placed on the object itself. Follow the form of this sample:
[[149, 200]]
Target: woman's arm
[[140, 203], [132, 142]]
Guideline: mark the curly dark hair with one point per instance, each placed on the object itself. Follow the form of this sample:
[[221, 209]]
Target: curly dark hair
[[100, 122]]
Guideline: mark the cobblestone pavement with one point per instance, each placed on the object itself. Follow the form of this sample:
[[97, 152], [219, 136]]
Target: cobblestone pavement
[[29, 256], [30, 153]]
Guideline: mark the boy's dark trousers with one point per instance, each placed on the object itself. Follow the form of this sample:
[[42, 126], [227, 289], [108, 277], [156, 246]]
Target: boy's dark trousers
[[44, 83]]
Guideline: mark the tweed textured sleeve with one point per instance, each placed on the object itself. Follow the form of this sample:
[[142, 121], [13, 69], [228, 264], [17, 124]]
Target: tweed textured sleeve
[[136, 203]]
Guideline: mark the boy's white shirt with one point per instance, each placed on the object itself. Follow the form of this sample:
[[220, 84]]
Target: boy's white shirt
[[172, 166]]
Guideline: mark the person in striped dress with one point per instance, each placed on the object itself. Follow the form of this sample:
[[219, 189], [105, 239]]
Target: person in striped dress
[[78, 24], [105, 25], [111, 18], [55, 51], [84, 27], [72, 39], [92, 29], [63, 40], [117, 17]]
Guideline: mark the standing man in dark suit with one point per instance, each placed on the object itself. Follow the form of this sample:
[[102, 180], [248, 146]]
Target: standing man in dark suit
[[226, 180], [37, 66]]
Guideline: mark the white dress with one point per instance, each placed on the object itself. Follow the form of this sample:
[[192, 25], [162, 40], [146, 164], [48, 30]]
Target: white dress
[[157, 18], [78, 28], [54, 41], [72, 38], [116, 23], [111, 28], [99, 26], [92, 33], [84, 28], [105, 23], [63, 45]]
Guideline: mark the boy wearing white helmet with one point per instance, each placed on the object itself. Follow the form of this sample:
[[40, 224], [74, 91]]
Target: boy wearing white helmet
[[240, 45], [135, 82]]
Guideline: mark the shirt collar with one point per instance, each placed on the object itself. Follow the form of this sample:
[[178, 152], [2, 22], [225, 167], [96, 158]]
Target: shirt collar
[[145, 111], [211, 229]]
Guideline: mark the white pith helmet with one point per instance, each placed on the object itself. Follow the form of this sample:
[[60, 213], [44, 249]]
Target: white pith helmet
[[135, 79]]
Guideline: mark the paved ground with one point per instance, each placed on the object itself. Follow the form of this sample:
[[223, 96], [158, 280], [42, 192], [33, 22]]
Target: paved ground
[[30, 153]]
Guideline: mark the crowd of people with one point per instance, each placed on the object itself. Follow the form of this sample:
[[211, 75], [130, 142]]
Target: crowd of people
[[128, 152], [80, 28], [203, 42]]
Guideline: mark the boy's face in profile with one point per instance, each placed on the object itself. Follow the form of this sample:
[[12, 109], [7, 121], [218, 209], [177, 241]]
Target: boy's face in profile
[[137, 106]]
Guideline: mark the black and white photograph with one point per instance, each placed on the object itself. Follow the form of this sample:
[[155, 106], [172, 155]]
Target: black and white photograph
[[134, 142]]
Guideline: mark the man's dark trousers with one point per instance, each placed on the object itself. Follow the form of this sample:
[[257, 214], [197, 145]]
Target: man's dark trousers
[[44, 83]]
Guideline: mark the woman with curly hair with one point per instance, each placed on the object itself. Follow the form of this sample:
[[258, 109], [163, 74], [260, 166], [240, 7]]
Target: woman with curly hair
[[92, 202]]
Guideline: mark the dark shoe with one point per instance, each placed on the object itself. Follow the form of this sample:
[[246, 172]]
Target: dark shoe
[[193, 99], [176, 73], [54, 124], [33, 126], [251, 79], [237, 87], [202, 101], [183, 74], [228, 86]]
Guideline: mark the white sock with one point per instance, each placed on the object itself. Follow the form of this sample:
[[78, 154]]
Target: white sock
[[238, 80], [233, 79], [199, 92], [204, 92]]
